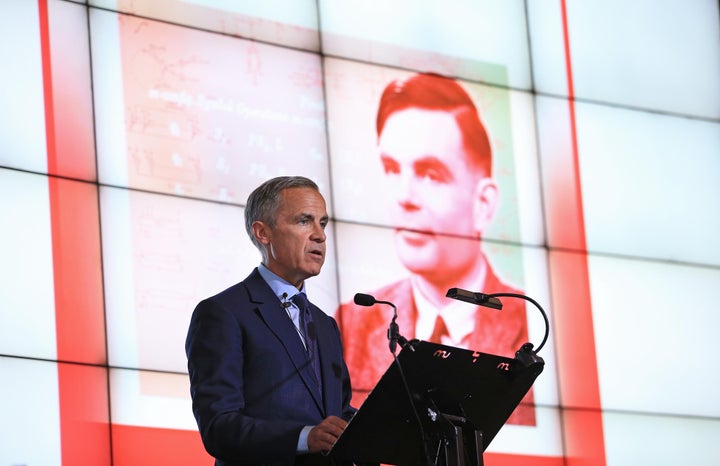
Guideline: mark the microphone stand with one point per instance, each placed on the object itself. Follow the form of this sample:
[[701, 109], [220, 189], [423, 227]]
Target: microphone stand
[[395, 337]]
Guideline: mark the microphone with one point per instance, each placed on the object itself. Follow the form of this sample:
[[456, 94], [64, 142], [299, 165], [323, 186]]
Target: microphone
[[362, 299], [479, 299], [526, 353], [393, 333]]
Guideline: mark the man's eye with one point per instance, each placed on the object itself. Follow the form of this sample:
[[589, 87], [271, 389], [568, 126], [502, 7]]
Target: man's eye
[[390, 167], [433, 175]]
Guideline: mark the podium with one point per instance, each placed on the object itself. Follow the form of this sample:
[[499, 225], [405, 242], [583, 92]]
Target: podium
[[437, 405]]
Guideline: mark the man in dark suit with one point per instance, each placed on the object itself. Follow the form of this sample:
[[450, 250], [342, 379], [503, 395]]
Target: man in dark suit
[[267, 377], [437, 159]]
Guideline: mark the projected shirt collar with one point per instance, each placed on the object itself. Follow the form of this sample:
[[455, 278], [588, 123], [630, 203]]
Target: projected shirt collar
[[459, 319]]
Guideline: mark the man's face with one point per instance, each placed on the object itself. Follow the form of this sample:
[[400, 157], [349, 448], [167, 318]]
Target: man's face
[[296, 245], [434, 191]]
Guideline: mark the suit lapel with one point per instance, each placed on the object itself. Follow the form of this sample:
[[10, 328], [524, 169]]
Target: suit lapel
[[277, 320]]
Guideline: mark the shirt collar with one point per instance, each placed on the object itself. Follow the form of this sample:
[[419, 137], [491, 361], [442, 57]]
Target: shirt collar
[[281, 287], [459, 318]]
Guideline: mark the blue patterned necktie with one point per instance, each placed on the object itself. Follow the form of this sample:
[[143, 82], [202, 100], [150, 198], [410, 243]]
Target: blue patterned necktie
[[307, 326]]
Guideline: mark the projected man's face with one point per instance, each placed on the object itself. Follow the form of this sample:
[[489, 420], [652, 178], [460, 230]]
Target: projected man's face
[[440, 203]]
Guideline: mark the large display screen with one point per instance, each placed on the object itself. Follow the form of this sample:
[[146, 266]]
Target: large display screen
[[132, 132]]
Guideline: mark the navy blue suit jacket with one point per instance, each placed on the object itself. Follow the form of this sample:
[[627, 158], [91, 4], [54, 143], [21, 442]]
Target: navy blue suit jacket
[[252, 387]]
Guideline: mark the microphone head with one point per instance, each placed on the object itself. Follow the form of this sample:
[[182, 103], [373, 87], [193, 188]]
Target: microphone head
[[479, 299], [362, 299]]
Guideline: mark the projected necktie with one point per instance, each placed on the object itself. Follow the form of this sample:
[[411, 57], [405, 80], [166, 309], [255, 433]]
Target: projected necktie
[[439, 331], [307, 326]]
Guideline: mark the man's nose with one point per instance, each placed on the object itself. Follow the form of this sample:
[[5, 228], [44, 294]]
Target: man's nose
[[406, 192], [318, 233]]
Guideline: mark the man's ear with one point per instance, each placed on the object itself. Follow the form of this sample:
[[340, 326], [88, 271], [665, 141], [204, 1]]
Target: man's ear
[[262, 232], [485, 203]]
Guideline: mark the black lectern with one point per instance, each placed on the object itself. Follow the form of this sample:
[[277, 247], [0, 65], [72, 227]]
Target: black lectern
[[437, 405]]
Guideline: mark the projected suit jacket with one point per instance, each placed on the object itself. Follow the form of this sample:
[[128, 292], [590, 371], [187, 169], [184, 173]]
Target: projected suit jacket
[[252, 388], [364, 335]]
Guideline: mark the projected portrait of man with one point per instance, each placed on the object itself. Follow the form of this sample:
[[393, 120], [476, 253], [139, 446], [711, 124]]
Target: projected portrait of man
[[437, 159]]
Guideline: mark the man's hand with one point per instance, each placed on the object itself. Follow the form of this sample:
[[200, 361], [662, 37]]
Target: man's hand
[[323, 436]]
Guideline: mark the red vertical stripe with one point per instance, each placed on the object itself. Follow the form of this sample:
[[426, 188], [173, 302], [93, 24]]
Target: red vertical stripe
[[79, 318], [580, 227], [69, 95], [84, 417], [577, 360], [82, 388], [47, 85]]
